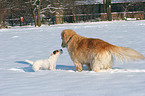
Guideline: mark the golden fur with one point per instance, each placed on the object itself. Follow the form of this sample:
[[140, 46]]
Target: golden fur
[[95, 53]]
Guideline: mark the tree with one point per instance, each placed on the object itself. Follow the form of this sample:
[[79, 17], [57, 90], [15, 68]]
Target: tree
[[35, 7], [3, 13], [104, 3], [59, 8], [33, 12], [55, 9], [108, 4], [132, 3], [38, 12]]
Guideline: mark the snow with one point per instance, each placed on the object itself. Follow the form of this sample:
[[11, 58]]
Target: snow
[[19, 43], [130, 19]]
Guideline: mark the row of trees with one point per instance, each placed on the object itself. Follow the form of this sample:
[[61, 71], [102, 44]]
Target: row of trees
[[32, 8], [36, 9], [12, 9]]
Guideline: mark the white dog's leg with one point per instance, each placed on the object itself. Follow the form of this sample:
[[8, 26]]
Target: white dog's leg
[[35, 68], [52, 66]]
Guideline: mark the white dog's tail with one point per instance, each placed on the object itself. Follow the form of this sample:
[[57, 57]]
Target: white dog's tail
[[125, 54], [30, 62]]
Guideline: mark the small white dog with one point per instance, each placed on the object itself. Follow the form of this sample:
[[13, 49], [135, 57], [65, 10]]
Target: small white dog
[[48, 64]]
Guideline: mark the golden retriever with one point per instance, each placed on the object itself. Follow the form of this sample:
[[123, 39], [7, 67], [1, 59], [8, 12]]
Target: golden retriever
[[95, 53]]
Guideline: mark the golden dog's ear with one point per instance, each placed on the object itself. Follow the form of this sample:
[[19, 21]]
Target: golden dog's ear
[[68, 37], [51, 54], [67, 34], [62, 34]]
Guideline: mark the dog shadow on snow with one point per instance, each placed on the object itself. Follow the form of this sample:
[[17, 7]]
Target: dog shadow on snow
[[58, 67], [26, 69]]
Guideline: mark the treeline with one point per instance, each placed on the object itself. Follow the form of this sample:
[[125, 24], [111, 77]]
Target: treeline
[[32, 9], [59, 11]]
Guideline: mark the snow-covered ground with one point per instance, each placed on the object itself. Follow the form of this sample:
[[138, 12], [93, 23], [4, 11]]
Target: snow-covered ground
[[19, 43]]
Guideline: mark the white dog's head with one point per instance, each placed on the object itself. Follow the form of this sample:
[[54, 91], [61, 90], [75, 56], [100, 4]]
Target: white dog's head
[[57, 52]]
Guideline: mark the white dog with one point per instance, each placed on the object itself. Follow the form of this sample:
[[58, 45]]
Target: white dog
[[49, 63]]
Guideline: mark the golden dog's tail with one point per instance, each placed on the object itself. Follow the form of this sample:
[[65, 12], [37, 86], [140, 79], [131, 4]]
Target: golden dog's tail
[[30, 62], [125, 54]]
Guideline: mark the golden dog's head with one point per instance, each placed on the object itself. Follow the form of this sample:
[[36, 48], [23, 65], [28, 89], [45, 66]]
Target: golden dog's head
[[66, 36]]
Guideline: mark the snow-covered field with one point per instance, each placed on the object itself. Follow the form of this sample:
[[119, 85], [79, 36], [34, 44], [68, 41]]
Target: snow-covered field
[[19, 43]]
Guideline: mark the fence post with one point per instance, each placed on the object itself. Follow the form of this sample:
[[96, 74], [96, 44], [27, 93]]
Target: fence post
[[108, 4], [12, 23]]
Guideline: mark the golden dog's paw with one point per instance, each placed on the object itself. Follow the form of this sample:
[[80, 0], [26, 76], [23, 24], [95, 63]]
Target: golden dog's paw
[[79, 69], [96, 70]]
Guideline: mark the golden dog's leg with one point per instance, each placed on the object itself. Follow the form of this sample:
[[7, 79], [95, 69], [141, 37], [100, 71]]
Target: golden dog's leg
[[96, 69], [89, 67], [108, 67], [79, 66], [109, 63], [35, 68], [95, 66]]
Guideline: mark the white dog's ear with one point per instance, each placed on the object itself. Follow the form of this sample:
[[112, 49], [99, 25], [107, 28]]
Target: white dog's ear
[[51, 54]]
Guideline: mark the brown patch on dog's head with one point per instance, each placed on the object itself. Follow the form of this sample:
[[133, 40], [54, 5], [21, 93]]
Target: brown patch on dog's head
[[54, 52], [57, 51], [66, 36]]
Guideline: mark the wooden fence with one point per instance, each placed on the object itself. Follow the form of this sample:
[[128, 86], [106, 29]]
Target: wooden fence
[[139, 15]]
